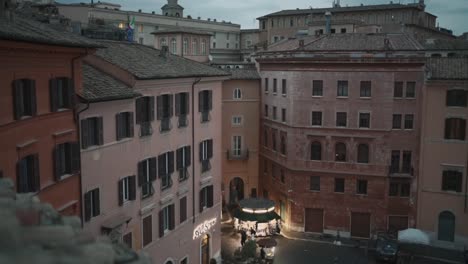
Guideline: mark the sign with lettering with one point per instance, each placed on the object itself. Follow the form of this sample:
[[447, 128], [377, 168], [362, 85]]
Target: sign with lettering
[[203, 228]]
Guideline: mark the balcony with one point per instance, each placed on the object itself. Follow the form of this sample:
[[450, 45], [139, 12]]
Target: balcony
[[206, 166], [146, 129], [237, 154], [165, 125], [405, 171], [183, 121], [205, 116]]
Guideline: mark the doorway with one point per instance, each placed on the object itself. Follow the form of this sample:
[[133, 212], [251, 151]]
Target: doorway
[[446, 230], [236, 190], [205, 249]]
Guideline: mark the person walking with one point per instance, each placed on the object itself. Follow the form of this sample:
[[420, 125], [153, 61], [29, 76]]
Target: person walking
[[262, 254], [243, 237]]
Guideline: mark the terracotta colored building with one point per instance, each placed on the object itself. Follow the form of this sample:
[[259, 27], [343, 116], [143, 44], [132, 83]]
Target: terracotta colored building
[[151, 152], [340, 132], [442, 185], [240, 131], [39, 134]]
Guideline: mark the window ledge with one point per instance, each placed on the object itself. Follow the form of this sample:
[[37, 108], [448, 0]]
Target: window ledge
[[63, 109], [27, 143], [455, 107], [410, 98], [365, 98], [340, 193], [317, 96], [362, 194], [342, 97], [63, 132], [314, 191], [398, 98]]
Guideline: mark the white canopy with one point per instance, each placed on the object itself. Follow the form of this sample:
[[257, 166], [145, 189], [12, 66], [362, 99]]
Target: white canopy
[[413, 236]]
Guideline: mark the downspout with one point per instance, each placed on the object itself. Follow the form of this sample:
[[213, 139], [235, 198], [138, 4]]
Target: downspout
[[193, 146]]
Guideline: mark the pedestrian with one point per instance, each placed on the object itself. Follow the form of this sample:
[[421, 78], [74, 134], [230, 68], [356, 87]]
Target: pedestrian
[[243, 237], [252, 232], [262, 253]]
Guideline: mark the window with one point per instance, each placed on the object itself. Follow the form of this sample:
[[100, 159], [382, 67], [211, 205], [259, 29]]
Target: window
[[283, 87], [194, 47], [182, 108], [405, 189], [395, 161], [273, 140], [456, 98], [265, 166], [341, 119], [165, 169], [333, 31], [316, 151], [365, 89], [266, 111], [237, 146], [409, 121], [66, 159], [227, 36], [237, 93], [227, 45], [24, 94], [236, 120], [266, 85], [174, 46], [166, 220], [263, 24], [127, 239], [363, 153], [127, 189], [91, 204], [183, 156], [343, 30], [339, 185], [273, 170], [275, 86], [145, 114], [406, 166], [282, 178], [206, 197], [183, 209], [185, 46], [398, 90], [291, 23], [316, 118], [452, 180], [455, 128], [315, 183], [283, 145], [410, 89], [28, 179], [147, 230], [274, 113], [124, 124], [203, 47], [62, 94], [401, 189], [165, 111], [396, 123], [265, 138], [342, 89], [340, 152], [206, 153], [361, 187], [364, 120], [205, 104], [162, 42], [91, 132], [214, 45], [393, 189], [317, 88], [283, 115], [146, 176]]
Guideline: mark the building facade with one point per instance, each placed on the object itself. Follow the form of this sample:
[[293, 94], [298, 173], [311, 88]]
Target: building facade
[[442, 187], [193, 45], [39, 131], [151, 165], [340, 132]]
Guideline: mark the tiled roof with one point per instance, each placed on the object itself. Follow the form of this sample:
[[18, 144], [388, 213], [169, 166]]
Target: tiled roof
[[448, 68], [340, 9], [243, 74], [99, 86], [145, 62], [26, 30], [445, 44]]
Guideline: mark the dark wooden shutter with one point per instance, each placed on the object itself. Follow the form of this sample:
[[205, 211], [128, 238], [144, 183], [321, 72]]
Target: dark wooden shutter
[[87, 206], [177, 104], [19, 178], [200, 150], [36, 181], [118, 126], [70, 92], [459, 180], [161, 226], [96, 203], [200, 101], [53, 87], [57, 165], [210, 148], [100, 131], [187, 103], [183, 209], [447, 128], [32, 87], [171, 105], [152, 169], [18, 99], [160, 108], [132, 187], [162, 165], [179, 157], [151, 108], [463, 129], [209, 195], [131, 129], [188, 155], [210, 100], [141, 173], [201, 199], [84, 133], [170, 156], [120, 191], [171, 217], [138, 110], [75, 156]]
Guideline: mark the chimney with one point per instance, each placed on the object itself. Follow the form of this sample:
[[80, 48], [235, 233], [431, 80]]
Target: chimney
[[328, 15], [164, 51]]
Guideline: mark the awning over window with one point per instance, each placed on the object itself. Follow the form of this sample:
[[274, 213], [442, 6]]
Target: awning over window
[[260, 218]]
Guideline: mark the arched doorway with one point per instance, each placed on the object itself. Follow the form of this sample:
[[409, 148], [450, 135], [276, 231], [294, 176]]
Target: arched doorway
[[205, 249], [236, 190], [446, 230]]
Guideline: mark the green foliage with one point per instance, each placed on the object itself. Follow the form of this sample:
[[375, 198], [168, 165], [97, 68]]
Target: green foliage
[[249, 250]]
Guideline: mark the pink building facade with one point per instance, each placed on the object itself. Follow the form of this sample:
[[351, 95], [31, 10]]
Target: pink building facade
[[190, 44], [152, 166]]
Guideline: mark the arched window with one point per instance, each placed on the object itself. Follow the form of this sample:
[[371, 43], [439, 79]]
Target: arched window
[[446, 231], [316, 151], [174, 46], [283, 145], [363, 153], [237, 93], [340, 152], [162, 42], [203, 47], [185, 48], [194, 47]]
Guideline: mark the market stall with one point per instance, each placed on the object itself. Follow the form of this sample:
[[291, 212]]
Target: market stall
[[257, 214]]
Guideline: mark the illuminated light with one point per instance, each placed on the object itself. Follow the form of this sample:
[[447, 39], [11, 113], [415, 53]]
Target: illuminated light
[[271, 209], [121, 25], [203, 228], [261, 211], [247, 210]]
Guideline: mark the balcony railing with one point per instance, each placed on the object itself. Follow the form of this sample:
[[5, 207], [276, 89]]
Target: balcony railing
[[183, 121], [238, 154], [165, 125], [146, 129], [206, 166], [403, 171], [205, 116], [147, 189], [166, 181], [183, 174]]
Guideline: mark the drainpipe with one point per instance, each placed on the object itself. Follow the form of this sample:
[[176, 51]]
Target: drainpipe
[[193, 146]]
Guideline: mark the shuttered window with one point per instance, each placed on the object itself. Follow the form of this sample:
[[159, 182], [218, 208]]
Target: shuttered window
[[455, 128], [124, 125], [206, 197], [205, 104], [183, 161], [92, 132], [166, 220], [28, 177], [361, 187], [24, 98], [365, 90], [452, 180], [92, 204], [342, 89], [182, 108], [147, 230], [457, 98], [165, 111], [144, 107], [183, 209], [146, 175], [127, 189], [165, 169], [66, 159], [206, 153], [62, 94]]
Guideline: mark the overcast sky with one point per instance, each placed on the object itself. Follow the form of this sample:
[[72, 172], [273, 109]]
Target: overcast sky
[[451, 14]]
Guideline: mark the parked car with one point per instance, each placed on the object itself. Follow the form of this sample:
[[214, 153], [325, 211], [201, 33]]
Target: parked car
[[386, 249]]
